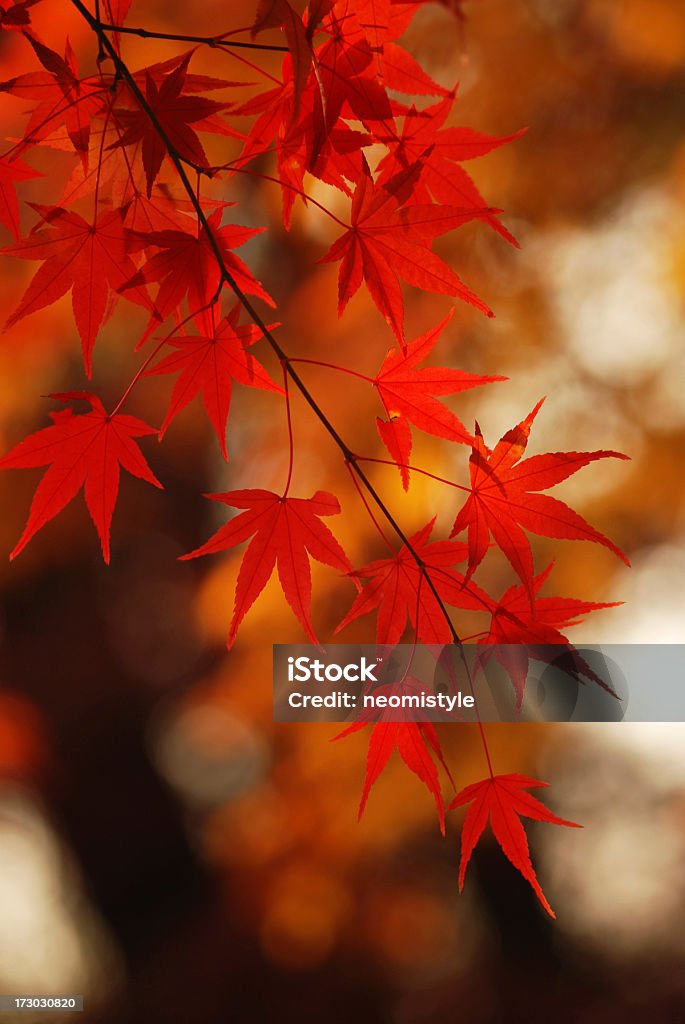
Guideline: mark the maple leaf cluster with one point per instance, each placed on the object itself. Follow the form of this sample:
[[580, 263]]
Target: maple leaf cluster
[[353, 109]]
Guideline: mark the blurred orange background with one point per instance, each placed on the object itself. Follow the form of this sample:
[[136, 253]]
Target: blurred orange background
[[164, 847]]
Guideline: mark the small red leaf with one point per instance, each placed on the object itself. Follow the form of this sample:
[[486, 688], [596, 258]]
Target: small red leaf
[[286, 531], [521, 630], [208, 365], [402, 593], [177, 119], [408, 394], [502, 800], [389, 239], [84, 450], [412, 741], [395, 434], [185, 265], [501, 501]]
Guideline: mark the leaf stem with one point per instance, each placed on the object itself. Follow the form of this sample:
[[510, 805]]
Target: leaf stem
[[99, 170], [341, 369], [372, 517], [415, 469], [284, 184], [291, 447], [141, 370]]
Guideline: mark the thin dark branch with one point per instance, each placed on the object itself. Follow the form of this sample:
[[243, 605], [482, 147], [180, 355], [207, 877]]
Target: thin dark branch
[[227, 277], [174, 37]]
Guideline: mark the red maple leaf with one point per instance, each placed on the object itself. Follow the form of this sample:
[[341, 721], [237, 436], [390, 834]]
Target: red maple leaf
[[403, 73], [502, 800], [88, 259], [208, 365], [411, 740], [440, 152], [12, 171], [532, 630], [279, 14], [504, 499], [160, 212], [382, 23], [347, 74], [388, 239], [285, 531], [408, 395], [291, 130], [84, 450], [186, 264], [316, 12], [292, 115], [174, 114], [63, 97], [117, 12], [402, 593]]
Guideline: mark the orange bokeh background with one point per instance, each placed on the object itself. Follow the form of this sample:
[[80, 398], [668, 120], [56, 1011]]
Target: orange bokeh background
[[180, 839]]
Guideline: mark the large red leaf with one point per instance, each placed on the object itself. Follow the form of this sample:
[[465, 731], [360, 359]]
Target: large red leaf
[[290, 128], [502, 800], [286, 532], [84, 450], [348, 64]]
